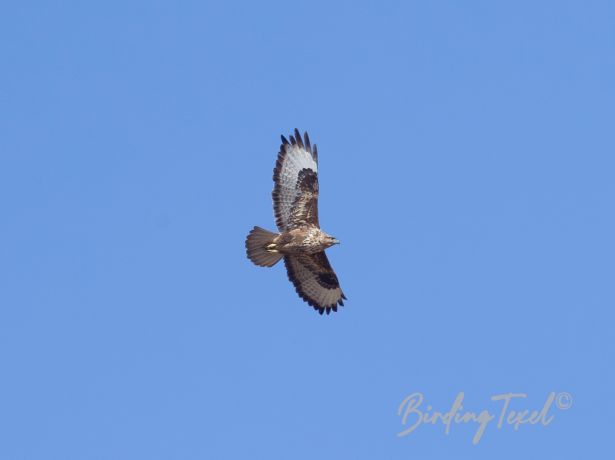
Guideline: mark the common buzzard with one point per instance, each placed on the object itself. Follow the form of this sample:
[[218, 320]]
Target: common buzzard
[[300, 242]]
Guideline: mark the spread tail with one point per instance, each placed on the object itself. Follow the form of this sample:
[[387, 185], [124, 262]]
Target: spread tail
[[256, 247]]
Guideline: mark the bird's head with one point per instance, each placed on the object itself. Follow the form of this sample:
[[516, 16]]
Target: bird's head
[[330, 241]]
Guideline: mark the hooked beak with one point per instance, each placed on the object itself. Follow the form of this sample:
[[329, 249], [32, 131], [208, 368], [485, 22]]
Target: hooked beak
[[336, 241]]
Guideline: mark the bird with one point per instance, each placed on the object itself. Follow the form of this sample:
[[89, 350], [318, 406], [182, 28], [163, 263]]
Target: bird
[[299, 241]]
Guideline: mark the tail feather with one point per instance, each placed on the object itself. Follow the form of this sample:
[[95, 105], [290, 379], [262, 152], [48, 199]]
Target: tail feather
[[256, 247]]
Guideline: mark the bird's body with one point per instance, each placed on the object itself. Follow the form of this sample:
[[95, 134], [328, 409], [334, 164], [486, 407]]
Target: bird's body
[[300, 241]]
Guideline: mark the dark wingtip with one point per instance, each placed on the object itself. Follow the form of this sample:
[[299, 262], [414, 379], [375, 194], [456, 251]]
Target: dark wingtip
[[298, 138], [306, 141], [284, 140]]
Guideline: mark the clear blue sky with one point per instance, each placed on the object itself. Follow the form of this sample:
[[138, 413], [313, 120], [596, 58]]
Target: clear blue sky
[[467, 161]]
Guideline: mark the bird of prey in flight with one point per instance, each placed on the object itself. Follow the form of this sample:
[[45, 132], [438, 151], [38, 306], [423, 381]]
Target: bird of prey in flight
[[300, 241]]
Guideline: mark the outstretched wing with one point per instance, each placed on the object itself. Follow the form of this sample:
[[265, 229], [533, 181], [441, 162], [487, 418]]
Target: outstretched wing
[[315, 281], [295, 193]]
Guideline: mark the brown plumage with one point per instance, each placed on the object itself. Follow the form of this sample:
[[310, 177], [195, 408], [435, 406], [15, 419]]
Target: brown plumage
[[300, 242]]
